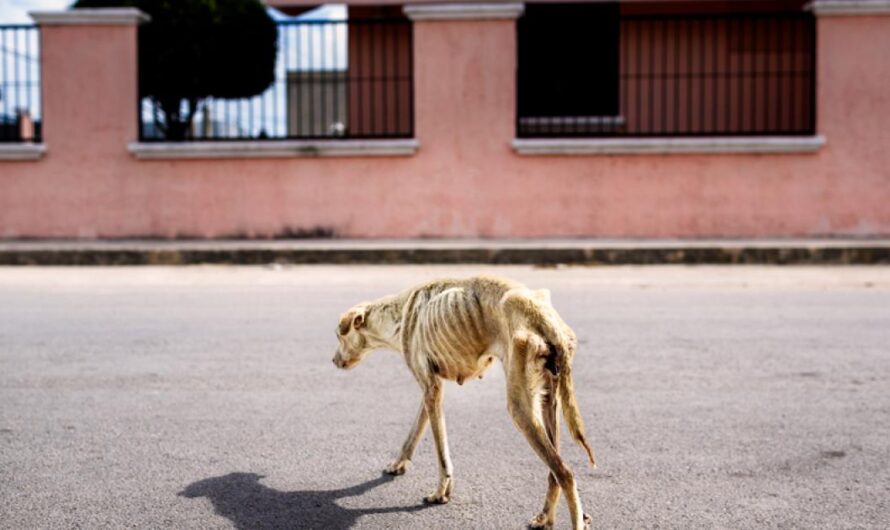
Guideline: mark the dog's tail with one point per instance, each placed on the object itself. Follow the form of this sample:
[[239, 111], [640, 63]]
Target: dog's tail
[[561, 344], [570, 410]]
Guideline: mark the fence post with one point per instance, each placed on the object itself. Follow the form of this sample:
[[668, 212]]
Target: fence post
[[89, 75], [464, 76]]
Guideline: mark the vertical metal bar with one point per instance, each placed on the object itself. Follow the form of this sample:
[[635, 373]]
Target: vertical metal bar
[[752, 76], [28, 80], [715, 73], [39, 73], [5, 79], [411, 74], [812, 74], [795, 97], [334, 77], [384, 27], [676, 74], [663, 84], [310, 75], [295, 88], [326, 76], [360, 77], [651, 75], [767, 58], [23, 72], [624, 51], [262, 132], [397, 78], [248, 102], [15, 77], [741, 76], [690, 80], [374, 30], [276, 86], [290, 82], [10, 95], [729, 82], [639, 76], [300, 77], [702, 76], [787, 66], [338, 27], [4, 85]]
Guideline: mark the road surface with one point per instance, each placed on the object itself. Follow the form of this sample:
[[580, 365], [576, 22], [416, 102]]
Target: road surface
[[205, 397]]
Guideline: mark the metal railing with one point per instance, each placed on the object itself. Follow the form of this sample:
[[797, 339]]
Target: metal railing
[[20, 109], [697, 75], [333, 79]]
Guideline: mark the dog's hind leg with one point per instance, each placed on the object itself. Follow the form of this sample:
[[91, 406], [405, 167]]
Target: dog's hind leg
[[433, 401], [521, 404], [400, 465], [550, 404]]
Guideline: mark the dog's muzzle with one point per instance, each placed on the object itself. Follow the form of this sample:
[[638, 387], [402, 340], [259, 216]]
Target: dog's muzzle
[[338, 361]]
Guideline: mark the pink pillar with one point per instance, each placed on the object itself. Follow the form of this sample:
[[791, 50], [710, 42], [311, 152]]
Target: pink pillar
[[89, 75], [465, 95], [853, 103]]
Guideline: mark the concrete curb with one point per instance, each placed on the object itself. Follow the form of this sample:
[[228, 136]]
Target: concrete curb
[[584, 252]]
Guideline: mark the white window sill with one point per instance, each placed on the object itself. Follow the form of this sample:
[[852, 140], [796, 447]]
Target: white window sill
[[666, 146], [849, 7], [464, 11], [22, 151], [272, 149]]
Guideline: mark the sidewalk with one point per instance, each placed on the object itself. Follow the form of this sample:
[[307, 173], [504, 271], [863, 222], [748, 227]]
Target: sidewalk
[[494, 251]]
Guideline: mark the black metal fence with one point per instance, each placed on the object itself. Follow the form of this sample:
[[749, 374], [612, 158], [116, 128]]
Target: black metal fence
[[672, 75], [333, 79], [20, 109]]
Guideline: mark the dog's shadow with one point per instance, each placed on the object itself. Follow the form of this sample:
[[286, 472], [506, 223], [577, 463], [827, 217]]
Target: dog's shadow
[[241, 498]]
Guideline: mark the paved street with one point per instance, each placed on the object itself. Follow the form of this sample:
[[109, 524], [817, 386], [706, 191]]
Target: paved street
[[205, 397]]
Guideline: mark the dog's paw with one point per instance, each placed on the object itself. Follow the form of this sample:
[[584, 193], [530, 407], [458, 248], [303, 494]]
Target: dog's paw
[[436, 498], [397, 468], [540, 522], [587, 521]]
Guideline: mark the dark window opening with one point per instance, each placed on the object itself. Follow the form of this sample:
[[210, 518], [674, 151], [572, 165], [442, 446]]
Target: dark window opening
[[568, 66], [639, 69]]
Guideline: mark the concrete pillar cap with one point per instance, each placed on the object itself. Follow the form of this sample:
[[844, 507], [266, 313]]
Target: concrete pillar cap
[[106, 16], [465, 11]]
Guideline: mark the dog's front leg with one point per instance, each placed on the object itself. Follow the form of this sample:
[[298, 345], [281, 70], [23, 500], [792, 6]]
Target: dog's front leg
[[400, 465], [433, 401]]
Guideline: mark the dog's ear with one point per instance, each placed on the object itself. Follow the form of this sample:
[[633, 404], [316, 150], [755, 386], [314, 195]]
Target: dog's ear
[[355, 317], [358, 320]]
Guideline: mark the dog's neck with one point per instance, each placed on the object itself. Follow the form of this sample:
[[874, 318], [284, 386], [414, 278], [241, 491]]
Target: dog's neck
[[385, 322]]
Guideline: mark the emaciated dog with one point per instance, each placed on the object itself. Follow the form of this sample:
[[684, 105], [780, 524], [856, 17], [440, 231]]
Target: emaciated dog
[[452, 329]]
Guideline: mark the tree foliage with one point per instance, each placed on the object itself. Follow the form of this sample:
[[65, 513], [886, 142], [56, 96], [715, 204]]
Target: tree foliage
[[195, 49]]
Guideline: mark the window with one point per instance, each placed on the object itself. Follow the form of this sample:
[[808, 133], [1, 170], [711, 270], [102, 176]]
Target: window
[[609, 69]]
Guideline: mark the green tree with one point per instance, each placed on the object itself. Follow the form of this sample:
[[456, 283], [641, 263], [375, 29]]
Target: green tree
[[195, 49]]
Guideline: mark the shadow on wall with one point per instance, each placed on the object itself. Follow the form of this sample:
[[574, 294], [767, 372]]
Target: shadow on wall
[[248, 504]]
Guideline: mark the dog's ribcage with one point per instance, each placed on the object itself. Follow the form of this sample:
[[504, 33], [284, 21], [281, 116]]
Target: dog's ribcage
[[451, 333]]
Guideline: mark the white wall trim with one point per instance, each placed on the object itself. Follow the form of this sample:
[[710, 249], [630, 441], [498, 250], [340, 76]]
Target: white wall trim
[[112, 16], [21, 152], [475, 11], [849, 7], [272, 149], [665, 146]]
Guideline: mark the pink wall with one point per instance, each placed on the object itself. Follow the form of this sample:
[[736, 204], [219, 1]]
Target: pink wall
[[465, 180]]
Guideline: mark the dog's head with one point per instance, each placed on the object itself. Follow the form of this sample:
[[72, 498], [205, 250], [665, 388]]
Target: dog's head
[[354, 341]]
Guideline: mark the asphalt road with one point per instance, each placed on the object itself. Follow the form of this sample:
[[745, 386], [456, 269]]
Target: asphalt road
[[205, 397]]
